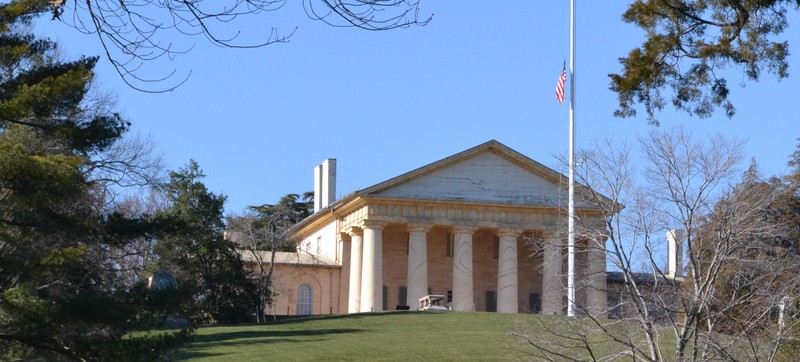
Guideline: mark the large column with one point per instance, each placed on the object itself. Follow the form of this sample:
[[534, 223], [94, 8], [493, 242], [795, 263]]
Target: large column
[[507, 275], [417, 264], [552, 272], [463, 298], [372, 267], [596, 292], [354, 301]]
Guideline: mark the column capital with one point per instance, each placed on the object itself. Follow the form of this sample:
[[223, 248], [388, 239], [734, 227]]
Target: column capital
[[509, 232], [419, 227], [353, 231], [459, 229], [372, 224]]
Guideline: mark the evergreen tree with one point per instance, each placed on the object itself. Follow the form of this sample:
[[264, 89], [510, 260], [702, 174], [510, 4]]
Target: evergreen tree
[[61, 295], [752, 226], [792, 204], [290, 210], [192, 246], [687, 46]]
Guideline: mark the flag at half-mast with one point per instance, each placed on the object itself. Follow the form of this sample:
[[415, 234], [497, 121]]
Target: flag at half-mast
[[560, 86]]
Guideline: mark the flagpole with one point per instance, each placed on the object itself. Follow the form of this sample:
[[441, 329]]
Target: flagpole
[[571, 210]]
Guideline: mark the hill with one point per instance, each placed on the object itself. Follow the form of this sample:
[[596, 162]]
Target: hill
[[391, 336]]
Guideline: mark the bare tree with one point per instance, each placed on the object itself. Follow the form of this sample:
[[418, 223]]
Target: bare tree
[[253, 240], [134, 32], [259, 237], [725, 307], [136, 256], [129, 166]]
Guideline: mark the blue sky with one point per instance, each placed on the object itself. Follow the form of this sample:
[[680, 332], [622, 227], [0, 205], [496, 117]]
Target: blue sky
[[383, 103]]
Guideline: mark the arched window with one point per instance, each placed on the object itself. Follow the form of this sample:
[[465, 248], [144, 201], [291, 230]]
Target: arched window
[[304, 299]]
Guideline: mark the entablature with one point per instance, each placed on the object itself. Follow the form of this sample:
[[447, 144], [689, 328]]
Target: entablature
[[434, 212]]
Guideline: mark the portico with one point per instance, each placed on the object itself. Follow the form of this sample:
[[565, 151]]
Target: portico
[[493, 265]]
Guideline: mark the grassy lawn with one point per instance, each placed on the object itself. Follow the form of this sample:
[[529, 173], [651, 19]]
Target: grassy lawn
[[392, 336]]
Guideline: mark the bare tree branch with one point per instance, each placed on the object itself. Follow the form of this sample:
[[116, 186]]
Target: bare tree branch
[[135, 32]]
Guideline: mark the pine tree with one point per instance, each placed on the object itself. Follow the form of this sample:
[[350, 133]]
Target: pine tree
[[60, 293]]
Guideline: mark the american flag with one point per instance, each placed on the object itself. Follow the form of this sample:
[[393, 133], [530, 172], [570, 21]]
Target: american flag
[[560, 86]]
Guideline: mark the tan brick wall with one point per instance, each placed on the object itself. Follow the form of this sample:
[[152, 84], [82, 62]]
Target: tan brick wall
[[440, 266], [324, 283], [529, 267], [395, 263], [484, 267]]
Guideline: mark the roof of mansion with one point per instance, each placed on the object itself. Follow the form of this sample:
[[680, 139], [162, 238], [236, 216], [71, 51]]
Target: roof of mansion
[[490, 174]]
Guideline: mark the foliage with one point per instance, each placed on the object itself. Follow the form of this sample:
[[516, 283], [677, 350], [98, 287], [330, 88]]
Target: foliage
[[192, 245], [790, 217], [792, 204], [149, 346], [61, 294], [760, 264], [688, 45], [289, 210]]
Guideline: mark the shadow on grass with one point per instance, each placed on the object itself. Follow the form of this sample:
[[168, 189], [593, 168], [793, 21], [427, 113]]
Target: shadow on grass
[[205, 346], [268, 335], [296, 319]]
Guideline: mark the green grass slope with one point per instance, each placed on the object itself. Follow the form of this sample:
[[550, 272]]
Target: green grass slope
[[420, 336], [393, 336]]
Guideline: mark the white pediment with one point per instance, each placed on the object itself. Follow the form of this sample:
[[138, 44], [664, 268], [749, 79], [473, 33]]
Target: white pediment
[[484, 177]]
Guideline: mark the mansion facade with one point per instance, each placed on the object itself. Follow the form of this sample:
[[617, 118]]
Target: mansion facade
[[484, 228]]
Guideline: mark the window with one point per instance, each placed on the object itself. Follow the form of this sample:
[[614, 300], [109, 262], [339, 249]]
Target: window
[[496, 248], [449, 296], [304, 300], [385, 298], [451, 240], [403, 296]]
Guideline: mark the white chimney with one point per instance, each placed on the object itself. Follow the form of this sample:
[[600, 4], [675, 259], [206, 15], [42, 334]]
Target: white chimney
[[324, 184], [675, 250]]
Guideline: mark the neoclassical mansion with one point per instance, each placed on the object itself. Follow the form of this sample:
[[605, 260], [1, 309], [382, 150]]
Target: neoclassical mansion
[[483, 227]]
